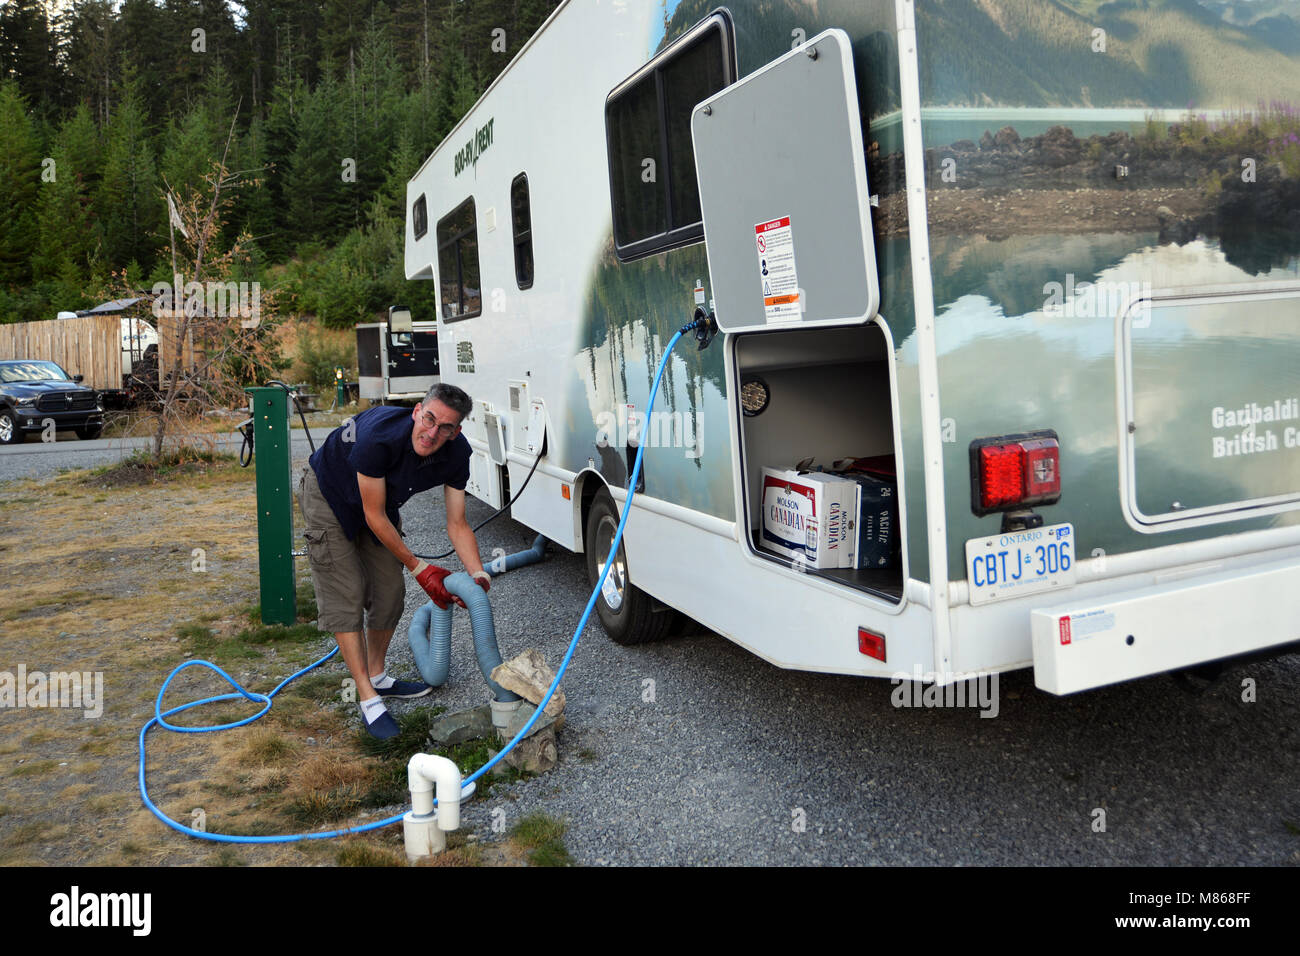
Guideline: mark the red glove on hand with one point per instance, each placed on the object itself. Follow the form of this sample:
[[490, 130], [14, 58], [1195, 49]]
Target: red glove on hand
[[484, 581], [430, 577]]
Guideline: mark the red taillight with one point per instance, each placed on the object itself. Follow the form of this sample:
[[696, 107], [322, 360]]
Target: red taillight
[[871, 644], [1015, 471], [1002, 475]]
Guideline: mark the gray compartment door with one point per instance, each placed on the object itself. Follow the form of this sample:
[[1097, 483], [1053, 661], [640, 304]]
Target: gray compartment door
[[783, 191]]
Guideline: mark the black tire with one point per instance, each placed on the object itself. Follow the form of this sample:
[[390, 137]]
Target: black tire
[[10, 433], [89, 432], [638, 618]]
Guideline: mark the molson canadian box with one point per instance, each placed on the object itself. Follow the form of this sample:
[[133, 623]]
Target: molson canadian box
[[810, 516]]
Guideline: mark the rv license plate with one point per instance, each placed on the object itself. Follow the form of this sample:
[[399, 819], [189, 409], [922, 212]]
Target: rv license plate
[[1017, 563]]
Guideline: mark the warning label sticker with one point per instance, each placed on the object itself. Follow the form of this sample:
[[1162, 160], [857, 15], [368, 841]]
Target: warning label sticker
[[1077, 627], [775, 245]]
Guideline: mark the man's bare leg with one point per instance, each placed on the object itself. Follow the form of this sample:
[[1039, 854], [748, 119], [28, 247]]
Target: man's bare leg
[[353, 646], [376, 651]]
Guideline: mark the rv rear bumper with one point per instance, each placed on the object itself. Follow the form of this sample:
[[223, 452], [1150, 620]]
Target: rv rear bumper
[[1132, 634]]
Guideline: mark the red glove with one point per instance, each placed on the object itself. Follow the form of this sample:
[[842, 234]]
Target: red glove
[[430, 577], [484, 581]]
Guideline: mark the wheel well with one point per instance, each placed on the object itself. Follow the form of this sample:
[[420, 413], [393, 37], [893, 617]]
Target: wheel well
[[591, 486]]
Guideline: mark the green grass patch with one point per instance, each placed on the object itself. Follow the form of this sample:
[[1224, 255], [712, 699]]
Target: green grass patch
[[29, 832], [142, 468], [227, 856], [34, 768], [325, 687], [257, 827], [204, 643], [267, 747], [304, 605], [542, 838], [362, 854], [318, 807], [280, 634]]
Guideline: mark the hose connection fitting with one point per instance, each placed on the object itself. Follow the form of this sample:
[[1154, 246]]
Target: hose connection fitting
[[425, 831]]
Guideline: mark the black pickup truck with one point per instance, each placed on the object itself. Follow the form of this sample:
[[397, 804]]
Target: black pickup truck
[[35, 393]]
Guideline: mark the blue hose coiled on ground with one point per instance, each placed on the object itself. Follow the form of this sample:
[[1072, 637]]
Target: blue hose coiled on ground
[[160, 715]]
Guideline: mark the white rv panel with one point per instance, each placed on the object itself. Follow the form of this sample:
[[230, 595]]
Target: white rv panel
[[783, 190]]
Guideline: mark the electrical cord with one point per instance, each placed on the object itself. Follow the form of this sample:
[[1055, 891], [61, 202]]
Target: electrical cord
[[504, 508]]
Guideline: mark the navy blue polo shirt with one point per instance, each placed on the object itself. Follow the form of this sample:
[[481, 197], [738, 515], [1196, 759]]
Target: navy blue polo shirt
[[382, 449]]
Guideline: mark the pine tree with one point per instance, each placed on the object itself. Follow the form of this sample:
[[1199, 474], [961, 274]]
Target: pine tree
[[20, 173], [130, 204]]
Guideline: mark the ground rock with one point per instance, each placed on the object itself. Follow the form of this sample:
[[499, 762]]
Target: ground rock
[[529, 677]]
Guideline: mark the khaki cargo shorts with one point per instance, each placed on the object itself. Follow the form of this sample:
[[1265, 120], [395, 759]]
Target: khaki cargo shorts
[[358, 583]]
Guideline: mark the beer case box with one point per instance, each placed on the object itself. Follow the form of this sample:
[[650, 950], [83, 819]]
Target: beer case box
[[877, 541], [810, 517]]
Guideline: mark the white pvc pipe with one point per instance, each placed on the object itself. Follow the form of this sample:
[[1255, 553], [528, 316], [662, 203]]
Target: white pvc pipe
[[424, 772]]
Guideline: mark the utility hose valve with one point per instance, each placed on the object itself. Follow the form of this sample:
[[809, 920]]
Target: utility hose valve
[[425, 831]]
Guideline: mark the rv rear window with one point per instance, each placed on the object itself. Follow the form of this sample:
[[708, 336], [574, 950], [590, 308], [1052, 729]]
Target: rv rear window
[[420, 217], [458, 277], [521, 220], [653, 188]]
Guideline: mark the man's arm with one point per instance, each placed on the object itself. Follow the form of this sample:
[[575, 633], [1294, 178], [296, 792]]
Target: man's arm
[[374, 496], [459, 531]]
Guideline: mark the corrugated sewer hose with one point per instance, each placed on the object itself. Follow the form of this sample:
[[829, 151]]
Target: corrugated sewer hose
[[160, 715]]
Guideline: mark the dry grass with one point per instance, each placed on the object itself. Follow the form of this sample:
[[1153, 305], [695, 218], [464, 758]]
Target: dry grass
[[107, 586]]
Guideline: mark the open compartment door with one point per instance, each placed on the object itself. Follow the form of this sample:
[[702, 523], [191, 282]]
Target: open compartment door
[[784, 196]]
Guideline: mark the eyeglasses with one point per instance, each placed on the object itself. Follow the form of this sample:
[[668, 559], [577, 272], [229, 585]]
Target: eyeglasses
[[444, 429]]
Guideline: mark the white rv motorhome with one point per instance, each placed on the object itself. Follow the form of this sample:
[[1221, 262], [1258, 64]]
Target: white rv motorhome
[[976, 258]]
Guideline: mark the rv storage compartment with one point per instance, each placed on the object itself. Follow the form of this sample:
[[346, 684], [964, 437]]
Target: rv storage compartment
[[824, 395]]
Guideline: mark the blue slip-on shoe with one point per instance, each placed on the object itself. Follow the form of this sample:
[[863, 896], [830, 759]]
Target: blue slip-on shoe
[[405, 689], [383, 727]]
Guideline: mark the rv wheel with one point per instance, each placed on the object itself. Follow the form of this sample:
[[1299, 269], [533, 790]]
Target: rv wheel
[[630, 616]]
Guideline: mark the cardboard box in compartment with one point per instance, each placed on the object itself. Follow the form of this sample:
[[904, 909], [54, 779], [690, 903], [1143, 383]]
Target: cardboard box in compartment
[[809, 517], [878, 544]]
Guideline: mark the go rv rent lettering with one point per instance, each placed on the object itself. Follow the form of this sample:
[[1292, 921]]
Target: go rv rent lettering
[[1252, 439], [478, 145]]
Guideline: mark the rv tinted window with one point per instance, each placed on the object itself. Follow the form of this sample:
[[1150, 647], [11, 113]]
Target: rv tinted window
[[458, 277], [521, 219], [640, 209], [420, 217], [654, 191]]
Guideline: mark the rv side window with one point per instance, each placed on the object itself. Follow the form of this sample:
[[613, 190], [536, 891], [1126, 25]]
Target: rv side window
[[462, 296], [521, 219], [420, 217], [654, 191]]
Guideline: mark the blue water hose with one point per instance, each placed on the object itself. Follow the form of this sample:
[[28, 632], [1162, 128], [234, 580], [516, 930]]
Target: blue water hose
[[160, 716]]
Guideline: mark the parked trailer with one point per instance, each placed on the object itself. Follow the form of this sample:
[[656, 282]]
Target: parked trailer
[[982, 246], [399, 365]]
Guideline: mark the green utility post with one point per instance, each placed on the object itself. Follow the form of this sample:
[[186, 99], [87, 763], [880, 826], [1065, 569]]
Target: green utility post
[[273, 448], [340, 390]]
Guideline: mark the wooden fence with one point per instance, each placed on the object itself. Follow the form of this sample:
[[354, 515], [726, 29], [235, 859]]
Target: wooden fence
[[89, 346]]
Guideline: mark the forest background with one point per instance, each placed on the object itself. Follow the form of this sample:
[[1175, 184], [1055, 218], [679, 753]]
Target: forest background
[[105, 105]]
